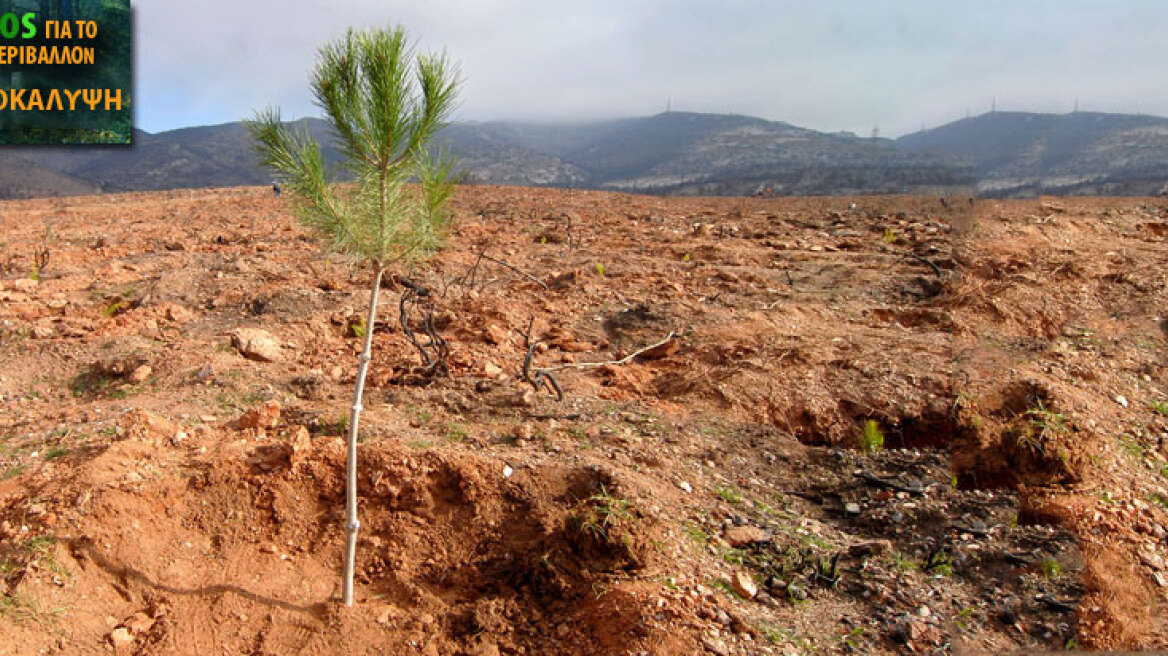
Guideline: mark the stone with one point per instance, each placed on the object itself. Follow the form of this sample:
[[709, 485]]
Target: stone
[[492, 370], [664, 350], [140, 373], [715, 646], [1121, 400], [205, 373], [744, 585], [142, 424], [256, 344], [685, 487], [852, 508], [741, 536], [26, 285], [871, 548], [140, 623], [178, 314], [496, 335], [262, 417], [121, 638], [42, 331]]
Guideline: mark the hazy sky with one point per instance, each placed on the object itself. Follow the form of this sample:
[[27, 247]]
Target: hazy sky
[[823, 64]]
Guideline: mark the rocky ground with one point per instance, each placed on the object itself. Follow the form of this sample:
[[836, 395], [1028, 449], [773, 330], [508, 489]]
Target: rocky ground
[[897, 427]]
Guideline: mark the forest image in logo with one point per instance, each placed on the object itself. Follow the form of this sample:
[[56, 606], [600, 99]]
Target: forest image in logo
[[65, 72]]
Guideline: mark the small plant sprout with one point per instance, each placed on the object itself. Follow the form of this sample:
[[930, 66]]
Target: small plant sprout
[[384, 104], [871, 437], [602, 512], [1051, 568], [40, 256], [729, 495]]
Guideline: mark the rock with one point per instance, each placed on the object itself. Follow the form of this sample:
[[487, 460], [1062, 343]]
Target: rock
[[744, 585], [120, 638], [493, 334], [872, 548], [685, 487], [507, 471], [205, 373], [268, 548], [901, 632], [140, 373], [26, 285], [564, 280], [263, 417], [485, 648], [1152, 560], [42, 331], [661, 350], [142, 424], [492, 370], [178, 314], [256, 344], [852, 508], [140, 623], [741, 536], [1122, 400], [715, 646]]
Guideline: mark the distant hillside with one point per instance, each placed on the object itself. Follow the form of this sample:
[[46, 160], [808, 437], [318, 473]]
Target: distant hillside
[[1020, 154], [687, 153], [20, 178], [206, 156], [489, 156], [998, 154]]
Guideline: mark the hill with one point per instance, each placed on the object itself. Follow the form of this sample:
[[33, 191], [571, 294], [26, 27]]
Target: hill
[[671, 153], [20, 178], [717, 154], [205, 156], [680, 153], [1083, 153]]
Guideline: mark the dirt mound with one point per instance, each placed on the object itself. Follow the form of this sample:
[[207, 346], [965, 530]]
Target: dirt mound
[[458, 554]]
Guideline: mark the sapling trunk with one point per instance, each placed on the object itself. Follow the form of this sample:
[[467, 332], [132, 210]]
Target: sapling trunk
[[352, 524], [383, 115]]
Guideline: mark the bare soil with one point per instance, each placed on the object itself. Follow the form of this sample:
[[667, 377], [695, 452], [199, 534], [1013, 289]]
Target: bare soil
[[162, 493]]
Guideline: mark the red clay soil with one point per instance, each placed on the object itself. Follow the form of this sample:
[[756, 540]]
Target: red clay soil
[[175, 381]]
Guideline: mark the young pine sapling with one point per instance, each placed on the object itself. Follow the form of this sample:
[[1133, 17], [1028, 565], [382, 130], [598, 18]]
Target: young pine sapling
[[384, 104]]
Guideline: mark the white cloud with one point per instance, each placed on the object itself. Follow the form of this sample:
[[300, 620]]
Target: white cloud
[[829, 65]]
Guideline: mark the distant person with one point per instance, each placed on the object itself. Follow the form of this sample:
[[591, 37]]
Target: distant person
[[276, 189]]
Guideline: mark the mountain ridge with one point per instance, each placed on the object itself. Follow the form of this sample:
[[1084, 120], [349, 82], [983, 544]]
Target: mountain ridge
[[1081, 153], [681, 153]]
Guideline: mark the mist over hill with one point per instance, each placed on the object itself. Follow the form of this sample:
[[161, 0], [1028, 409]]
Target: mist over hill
[[1082, 153], [996, 154]]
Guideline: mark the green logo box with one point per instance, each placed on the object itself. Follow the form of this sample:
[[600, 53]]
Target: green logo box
[[65, 72]]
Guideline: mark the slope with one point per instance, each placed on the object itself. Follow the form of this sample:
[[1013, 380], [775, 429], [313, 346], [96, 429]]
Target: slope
[[1088, 153]]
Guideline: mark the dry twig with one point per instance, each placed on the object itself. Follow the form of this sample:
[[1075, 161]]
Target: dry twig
[[625, 360]]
